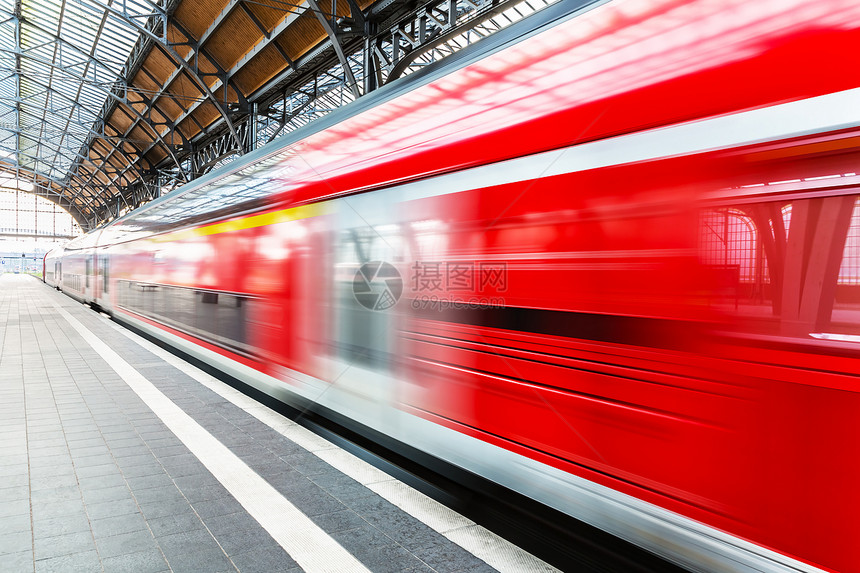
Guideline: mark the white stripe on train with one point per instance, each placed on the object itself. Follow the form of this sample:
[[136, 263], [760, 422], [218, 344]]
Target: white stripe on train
[[820, 114]]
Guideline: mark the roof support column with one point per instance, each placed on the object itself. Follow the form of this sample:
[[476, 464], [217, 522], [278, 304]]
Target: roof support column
[[335, 42]]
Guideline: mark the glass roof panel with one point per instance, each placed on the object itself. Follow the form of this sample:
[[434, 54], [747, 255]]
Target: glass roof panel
[[61, 57]]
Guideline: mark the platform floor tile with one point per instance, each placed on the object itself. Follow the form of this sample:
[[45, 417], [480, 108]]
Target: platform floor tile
[[93, 478]]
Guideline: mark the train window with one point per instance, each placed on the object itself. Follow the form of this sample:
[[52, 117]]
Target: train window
[[127, 295], [150, 294], [183, 309], [205, 303], [160, 301], [219, 318], [231, 318], [87, 271], [787, 268]]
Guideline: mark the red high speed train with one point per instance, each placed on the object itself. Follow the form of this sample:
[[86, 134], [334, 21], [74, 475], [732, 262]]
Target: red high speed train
[[608, 258]]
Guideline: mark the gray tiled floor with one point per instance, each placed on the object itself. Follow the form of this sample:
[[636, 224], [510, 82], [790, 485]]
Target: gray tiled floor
[[92, 480]]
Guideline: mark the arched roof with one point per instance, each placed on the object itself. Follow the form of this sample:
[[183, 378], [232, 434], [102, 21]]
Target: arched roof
[[106, 103]]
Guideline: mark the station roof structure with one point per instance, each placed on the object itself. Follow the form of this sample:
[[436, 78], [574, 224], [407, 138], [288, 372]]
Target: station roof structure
[[107, 104]]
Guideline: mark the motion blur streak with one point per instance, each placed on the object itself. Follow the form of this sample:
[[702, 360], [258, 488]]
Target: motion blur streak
[[609, 259]]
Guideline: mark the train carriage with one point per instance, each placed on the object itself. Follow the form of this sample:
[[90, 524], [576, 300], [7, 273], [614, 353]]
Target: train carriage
[[608, 258]]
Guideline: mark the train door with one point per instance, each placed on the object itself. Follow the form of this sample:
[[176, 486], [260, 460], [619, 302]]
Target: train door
[[88, 270], [368, 253], [101, 277], [105, 274]]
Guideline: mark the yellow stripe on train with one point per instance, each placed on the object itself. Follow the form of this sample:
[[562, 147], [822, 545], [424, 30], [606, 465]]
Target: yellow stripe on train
[[272, 218]]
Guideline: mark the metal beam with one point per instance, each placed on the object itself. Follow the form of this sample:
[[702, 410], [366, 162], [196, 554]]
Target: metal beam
[[335, 42], [167, 49], [60, 44], [264, 42]]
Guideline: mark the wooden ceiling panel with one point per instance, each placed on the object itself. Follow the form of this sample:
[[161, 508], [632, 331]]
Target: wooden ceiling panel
[[198, 15], [168, 107], [143, 89], [219, 93], [117, 161], [232, 93], [187, 128], [207, 67], [141, 143], [156, 155], [342, 8], [264, 66], [92, 163], [140, 133], [131, 152], [107, 158], [236, 35], [180, 42], [120, 119], [305, 33], [100, 146], [171, 138], [270, 13], [159, 117], [139, 108], [120, 152], [112, 132], [145, 83], [206, 114], [185, 90], [93, 173], [136, 98], [159, 66]]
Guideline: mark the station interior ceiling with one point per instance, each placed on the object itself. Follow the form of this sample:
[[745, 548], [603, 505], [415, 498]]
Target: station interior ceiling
[[106, 105]]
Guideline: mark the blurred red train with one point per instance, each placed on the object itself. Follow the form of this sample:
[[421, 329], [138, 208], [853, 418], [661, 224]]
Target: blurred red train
[[608, 258]]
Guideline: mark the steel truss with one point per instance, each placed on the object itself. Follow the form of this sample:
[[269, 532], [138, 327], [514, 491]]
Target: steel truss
[[363, 61], [43, 121]]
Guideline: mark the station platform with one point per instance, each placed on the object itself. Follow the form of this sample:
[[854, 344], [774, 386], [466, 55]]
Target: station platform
[[117, 456]]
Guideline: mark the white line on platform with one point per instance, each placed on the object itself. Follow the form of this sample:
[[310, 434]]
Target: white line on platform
[[305, 542], [483, 544]]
